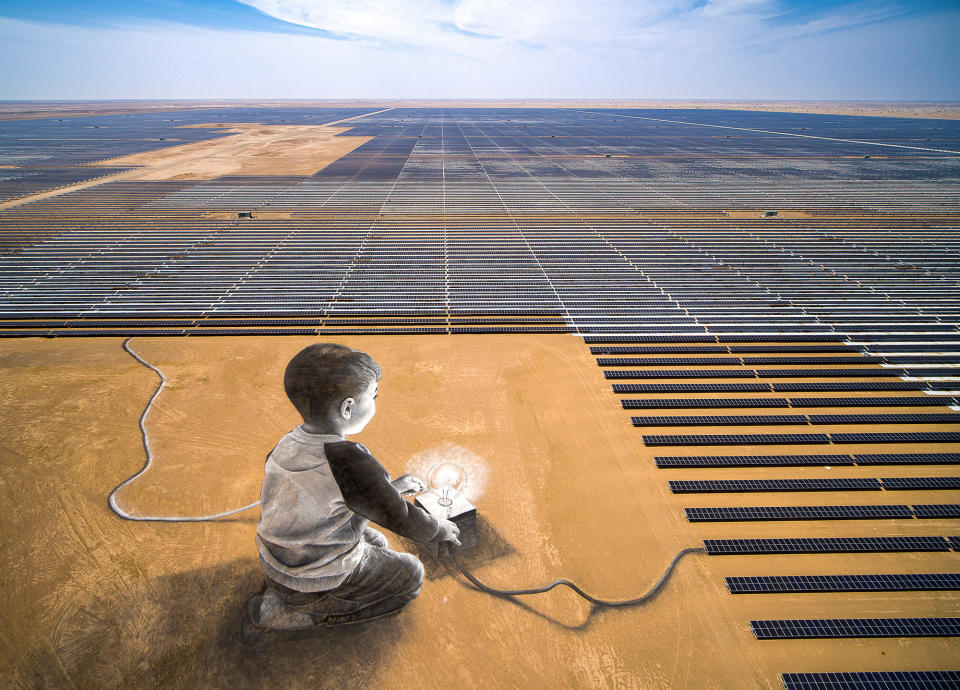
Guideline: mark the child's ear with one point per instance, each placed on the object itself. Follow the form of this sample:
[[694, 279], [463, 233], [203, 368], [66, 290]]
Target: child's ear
[[346, 408]]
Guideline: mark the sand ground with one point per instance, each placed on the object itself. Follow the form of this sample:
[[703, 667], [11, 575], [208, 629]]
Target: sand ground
[[94, 601], [252, 149]]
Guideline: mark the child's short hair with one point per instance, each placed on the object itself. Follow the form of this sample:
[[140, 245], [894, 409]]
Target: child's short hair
[[325, 372]]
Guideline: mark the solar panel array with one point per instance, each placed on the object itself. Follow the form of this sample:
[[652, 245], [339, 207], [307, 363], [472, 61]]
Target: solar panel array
[[855, 627], [893, 582], [830, 512], [873, 680], [478, 220]]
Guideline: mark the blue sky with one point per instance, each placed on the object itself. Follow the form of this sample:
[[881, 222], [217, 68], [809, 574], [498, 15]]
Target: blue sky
[[764, 49]]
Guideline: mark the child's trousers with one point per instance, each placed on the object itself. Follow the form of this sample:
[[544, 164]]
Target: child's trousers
[[384, 582]]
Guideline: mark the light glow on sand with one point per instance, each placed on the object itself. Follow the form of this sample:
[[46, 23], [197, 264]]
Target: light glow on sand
[[448, 456]]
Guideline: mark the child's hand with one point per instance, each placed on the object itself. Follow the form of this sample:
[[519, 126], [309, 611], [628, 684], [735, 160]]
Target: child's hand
[[448, 532], [409, 485]]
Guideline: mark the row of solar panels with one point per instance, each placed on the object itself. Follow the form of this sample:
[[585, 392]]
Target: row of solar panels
[[799, 439], [873, 680], [797, 387], [746, 361], [823, 512], [696, 486], [812, 460], [795, 419], [877, 401]]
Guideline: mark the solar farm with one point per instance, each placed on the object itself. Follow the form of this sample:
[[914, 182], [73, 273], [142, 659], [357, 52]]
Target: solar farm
[[656, 328]]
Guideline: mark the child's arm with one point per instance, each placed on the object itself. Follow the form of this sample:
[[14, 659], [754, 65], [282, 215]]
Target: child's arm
[[366, 489]]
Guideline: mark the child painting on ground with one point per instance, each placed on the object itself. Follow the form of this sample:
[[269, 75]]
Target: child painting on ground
[[324, 564]]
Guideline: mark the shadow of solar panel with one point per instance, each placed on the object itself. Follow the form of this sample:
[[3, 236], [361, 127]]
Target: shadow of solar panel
[[937, 511], [896, 582], [718, 420], [724, 547], [920, 483], [753, 460], [665, 403], [855, 627], [761, 485], [763, 513], [873, 680], [733, 439]]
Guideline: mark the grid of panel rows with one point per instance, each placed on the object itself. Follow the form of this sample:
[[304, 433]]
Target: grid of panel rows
[[879, 385]]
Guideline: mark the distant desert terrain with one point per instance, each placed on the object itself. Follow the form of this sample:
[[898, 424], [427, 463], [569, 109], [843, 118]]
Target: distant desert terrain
[[947, 110]]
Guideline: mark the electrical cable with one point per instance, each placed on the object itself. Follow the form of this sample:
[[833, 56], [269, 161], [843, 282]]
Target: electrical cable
[[556, 583], [112, 500]]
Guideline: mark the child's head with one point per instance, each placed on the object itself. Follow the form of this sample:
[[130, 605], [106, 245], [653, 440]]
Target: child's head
[[333, 386]]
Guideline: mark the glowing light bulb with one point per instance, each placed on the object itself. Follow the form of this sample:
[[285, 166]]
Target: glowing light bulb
[[446, 479]]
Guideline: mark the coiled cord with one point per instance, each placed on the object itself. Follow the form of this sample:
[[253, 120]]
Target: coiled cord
[[112, 500]]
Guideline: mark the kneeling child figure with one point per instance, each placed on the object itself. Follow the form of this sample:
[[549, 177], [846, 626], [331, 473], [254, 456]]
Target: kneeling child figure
[[324, 565]]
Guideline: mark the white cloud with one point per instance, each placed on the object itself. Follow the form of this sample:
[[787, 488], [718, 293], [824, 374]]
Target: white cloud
[[664, 49]]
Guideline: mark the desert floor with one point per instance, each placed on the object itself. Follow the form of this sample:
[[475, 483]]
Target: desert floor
[[949, 110], [563, 484]]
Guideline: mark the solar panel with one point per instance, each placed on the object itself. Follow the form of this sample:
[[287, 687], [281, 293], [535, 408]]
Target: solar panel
[[920, 483], [692, 338], [759, 485], [876, 401], [754, 460], [873, 680], [723, 547], [907, 437], [937, 511], [895, 582], [664, 361], [667, 403], [884, 418], [655, 349], [868, 512], [691, 387], [806, 387], [679, 374], [908, 459], [733, 439], [718, 420], [855, 627]]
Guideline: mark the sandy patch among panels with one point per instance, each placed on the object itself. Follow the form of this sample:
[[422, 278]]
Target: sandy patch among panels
[[253, 149], [95, 601]]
